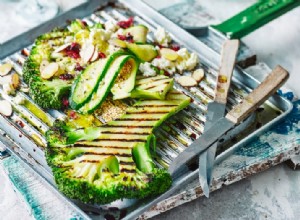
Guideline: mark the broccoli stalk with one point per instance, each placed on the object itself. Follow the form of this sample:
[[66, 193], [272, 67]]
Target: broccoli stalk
[[49, 94], [89, 172]]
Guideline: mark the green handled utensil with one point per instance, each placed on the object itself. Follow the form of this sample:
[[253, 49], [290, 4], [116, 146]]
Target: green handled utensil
[[242, 24]]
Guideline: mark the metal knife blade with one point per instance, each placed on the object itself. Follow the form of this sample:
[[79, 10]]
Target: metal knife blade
[[271, 83], [216, 109]]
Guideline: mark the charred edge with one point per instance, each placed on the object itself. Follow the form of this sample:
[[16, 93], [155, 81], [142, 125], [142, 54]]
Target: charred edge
[[122, 140], [126, 132], [97, 146], [108, 154], [124, 170], [127, 163], [127, 126], [152, 87], [150, 81], [136, 119]]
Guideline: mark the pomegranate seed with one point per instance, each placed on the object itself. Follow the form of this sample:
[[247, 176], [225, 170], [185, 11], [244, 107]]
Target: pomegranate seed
[[101, 55], [121, 37], [128, 37], [166, 73], [65, 102], [66, 76], [78, 67], [73, 115], [126, 24], [73, 50], [175, 47]]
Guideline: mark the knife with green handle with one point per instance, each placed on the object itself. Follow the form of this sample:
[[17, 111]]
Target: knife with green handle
[[216, 110], [239, 112]]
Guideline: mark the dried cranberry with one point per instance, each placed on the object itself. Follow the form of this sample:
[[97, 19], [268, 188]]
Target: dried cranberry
[[128, 37], [84, 23], [73, 115], [66, 76], [65, 102], [78, 67], [73, 50], [121, 37], [126, 24], [193, 136], [166, 73], [175, 47], [101, 55]]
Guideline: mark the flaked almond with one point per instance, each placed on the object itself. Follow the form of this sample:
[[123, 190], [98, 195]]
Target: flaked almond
[[15, 80], [43, 64], [169, 54], [62, 47], [5, 108], [187, 81], [5, 69], [95, 56], [198, 74], [49, 70], [87, 52]]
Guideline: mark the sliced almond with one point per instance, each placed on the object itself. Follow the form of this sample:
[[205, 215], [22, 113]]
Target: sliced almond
[[198, 74], [15, 80], [5, 69], [62, 47], [43, 64], [187, 81], [87, 52], [95, 56], [49, 70], [169, 54], [5, 108]]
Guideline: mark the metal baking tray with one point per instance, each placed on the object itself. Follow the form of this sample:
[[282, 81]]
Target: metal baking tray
[[26, 130]]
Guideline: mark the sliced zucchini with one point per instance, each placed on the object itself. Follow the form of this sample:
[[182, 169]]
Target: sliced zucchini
[[105, 84], [155, 87], [87, 82], [125, 81], [145, 52], [138, 32]]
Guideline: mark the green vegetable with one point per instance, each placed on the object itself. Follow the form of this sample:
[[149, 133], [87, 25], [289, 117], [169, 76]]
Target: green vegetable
[[155, 87], [107, 82], [145, 52], [102, 164], [139, 33], [77, 26]]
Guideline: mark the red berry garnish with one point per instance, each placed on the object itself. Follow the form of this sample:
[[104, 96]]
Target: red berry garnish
[[66, 76], [128, 37], [121, 37], [73, 50], [175, 47], [78, 67], [101, 55], [73, 115], [166, 73], [65, 102], [84, 23], [126, 24]]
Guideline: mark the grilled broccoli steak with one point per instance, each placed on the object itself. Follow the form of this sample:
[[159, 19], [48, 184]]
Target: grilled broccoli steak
[[102, 164]]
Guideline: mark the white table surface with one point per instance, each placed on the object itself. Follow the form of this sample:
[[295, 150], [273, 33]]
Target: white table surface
[[274, 194]]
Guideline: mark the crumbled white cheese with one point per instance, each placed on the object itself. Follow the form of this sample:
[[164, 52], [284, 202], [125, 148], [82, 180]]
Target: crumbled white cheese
[[9, 89], [118, 32], [112, 49], [111, 26], [98, 36], [146, 69], [162, 37], [183, 53], [69, 39], [19, 100], [164, 64], [186, 60], [192, 62]]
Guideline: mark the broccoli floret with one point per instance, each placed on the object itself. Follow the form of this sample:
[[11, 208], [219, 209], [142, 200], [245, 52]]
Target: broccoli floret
[[49, 94], [96, 174]]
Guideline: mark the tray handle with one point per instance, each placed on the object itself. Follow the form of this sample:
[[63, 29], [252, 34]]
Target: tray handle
[[254, 17], [271, 83]]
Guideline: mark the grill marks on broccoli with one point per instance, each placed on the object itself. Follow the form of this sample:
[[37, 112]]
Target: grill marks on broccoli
[[113, 161]]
